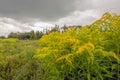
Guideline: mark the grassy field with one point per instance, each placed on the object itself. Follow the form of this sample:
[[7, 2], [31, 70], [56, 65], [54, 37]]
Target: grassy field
[[16, 60], [15, 46]]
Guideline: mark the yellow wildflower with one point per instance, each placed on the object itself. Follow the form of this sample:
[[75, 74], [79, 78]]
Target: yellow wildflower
[[115, 56], [44, 49], [80, 50], [73, 41], [90, 45], [66, 57]]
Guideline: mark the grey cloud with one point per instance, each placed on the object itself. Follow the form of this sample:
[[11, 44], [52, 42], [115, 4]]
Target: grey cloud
[[52, 11], [88, 9], [44, 9], [83, 5], [8, 25], [101, 6], [79, 18]]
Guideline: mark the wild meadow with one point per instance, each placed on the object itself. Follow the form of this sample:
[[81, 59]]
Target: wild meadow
[[89, 52]]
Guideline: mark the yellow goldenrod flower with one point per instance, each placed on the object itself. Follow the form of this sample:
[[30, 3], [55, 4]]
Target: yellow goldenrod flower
[[115, 56], [90, 45], [80, 50]]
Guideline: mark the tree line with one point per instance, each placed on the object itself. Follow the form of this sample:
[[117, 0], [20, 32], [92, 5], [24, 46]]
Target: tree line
[[35, 35]]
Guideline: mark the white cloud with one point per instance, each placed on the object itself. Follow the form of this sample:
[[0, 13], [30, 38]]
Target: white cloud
[[41, 25], [79, 18], [8, 25]]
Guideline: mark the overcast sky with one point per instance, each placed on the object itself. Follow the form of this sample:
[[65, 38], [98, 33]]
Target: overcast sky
[[77, 12]]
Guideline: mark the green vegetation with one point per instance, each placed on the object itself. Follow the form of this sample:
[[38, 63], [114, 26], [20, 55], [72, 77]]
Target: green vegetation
[[25, 35], [79, 53], [88, 53], [16, 62]]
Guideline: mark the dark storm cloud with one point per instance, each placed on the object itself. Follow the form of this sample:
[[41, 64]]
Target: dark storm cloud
[[45, 9], [52, 10]]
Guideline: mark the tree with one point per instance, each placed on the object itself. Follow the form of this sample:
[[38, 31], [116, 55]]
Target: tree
[[2, 37]]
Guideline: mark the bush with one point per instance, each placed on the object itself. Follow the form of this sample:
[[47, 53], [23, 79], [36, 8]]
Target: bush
[[78, 54]]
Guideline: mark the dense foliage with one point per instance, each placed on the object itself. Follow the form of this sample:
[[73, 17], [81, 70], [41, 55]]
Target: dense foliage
[[32, 35], [88, 53], [16, 62]]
